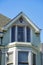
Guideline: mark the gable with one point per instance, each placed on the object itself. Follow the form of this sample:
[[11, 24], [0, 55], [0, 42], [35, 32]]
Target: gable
[[26, 21]]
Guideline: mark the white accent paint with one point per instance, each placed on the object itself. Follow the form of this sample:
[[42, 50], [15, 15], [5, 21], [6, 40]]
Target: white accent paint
[[15, 57], [25, 34], [15, 33], [30, 58], [28, 20]]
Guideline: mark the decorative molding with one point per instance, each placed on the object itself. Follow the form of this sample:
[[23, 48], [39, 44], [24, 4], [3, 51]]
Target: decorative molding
[[26, 18], [20, 44]]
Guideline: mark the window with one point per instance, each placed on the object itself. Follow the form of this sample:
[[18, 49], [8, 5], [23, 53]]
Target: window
[[22, 58], [20, 34], [13, 34], [34, 59], [28, 34]]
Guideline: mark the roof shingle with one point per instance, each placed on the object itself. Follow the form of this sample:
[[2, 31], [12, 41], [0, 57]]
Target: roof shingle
[[3, 21]]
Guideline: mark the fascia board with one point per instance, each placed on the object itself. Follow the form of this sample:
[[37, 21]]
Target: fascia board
[[28, 20]]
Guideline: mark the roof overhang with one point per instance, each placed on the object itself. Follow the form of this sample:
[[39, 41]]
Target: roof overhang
[[37, 30]]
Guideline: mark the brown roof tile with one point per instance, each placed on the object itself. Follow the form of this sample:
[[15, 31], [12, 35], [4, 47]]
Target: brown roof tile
[[3, 21]]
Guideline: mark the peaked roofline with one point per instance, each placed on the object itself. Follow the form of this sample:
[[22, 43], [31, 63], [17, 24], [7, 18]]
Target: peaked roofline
[[18, 16]]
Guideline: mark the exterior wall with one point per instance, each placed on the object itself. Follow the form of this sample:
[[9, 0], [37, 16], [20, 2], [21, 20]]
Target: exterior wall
[[38, 58], [35, 38], [6, 37], [3, 57], [41, 49], [0, 41]]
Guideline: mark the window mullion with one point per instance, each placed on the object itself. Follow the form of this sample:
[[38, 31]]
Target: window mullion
[[16, 34], [25, 34]]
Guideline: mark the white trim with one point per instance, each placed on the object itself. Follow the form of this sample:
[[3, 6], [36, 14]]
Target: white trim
[[16, 33], [30, 58], [25, 34], [28, 20]]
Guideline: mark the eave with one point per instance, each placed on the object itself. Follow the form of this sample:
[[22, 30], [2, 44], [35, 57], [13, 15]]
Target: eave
[[37, 30]]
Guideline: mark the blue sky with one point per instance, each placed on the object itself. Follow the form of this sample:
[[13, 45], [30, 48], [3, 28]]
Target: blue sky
[[32, 8]]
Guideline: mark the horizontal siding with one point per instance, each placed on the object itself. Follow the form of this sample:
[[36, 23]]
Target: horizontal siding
[[6, 37], [35, 38], [38, 59]]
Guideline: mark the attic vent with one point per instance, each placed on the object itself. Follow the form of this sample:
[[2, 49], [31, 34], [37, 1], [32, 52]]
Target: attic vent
[[21, 19]]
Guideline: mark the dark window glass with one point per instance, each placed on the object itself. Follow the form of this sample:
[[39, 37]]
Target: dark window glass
[[21, 19], [20, 34], [34, 59], [13, 34], [28, 34], [22, 58]]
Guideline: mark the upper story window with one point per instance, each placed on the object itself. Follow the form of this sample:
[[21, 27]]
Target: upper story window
[[20, 34]]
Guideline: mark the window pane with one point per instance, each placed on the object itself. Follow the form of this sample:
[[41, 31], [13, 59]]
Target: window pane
[[23, 57], [20, 34], [28, 34], [13, 34]]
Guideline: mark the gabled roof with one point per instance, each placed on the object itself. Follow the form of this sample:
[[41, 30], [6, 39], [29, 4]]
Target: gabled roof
[[16, 18], [3, 21]]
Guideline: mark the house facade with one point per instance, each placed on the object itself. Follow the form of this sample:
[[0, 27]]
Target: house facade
[[41, 49], [19, 41]]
